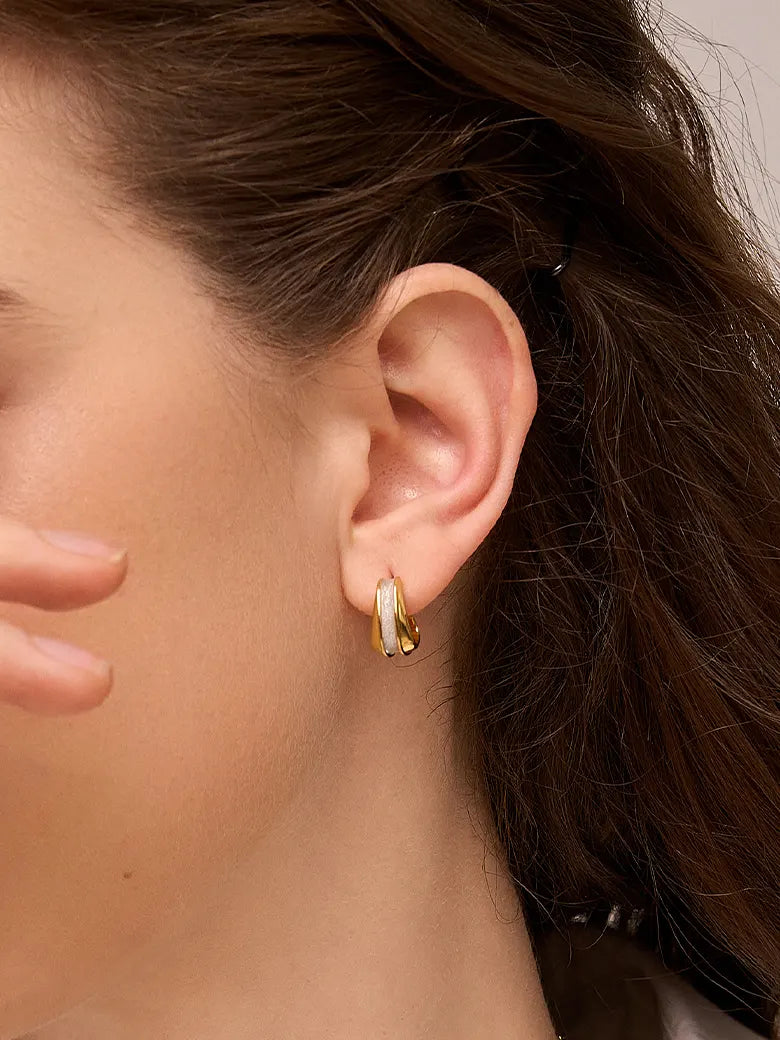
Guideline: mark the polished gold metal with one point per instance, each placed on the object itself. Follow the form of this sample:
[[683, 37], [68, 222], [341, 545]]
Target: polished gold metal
[[405, 625], [407, 632], [376, 632]]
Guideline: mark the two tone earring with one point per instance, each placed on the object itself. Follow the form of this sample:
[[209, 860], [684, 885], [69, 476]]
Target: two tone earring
[[391, 627]]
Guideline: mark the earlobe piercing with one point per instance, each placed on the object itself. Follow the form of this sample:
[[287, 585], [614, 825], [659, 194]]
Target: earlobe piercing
[[391, 627]]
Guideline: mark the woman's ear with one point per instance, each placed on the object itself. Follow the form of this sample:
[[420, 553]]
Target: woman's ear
[[460, 393]]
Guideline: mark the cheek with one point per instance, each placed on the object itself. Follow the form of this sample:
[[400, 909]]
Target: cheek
[[114, 821]]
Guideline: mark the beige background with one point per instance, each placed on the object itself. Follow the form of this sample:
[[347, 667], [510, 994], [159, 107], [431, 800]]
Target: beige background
[[742, 64]]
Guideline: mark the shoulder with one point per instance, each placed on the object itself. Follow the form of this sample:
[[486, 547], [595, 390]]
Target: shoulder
[[686, 1015], [602, 985]]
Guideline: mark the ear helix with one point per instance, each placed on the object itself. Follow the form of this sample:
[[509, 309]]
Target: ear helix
[[391, 627]]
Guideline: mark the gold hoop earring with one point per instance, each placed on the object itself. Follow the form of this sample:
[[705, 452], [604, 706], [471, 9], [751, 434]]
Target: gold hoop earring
[[391, 626]]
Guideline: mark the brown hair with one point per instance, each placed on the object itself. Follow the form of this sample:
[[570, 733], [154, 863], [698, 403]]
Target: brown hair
[[619, 701]]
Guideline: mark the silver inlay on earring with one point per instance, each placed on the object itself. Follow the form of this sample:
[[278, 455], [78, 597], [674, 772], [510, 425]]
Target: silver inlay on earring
[[387, 616]]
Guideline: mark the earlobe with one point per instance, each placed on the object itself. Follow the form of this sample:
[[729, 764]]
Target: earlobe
[[458, 377]]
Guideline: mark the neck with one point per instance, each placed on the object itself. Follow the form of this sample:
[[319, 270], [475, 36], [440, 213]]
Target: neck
[[372, 908]]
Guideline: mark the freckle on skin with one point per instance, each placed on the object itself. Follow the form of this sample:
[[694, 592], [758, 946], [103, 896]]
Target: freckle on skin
[[127, 874]]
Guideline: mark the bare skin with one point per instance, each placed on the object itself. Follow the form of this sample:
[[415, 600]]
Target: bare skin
[[255, 827]]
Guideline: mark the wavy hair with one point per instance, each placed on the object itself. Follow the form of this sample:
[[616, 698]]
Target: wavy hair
[[619, 701]]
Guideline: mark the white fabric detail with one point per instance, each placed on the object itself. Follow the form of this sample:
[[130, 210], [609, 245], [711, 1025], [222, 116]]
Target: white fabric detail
[[687, 1015]]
